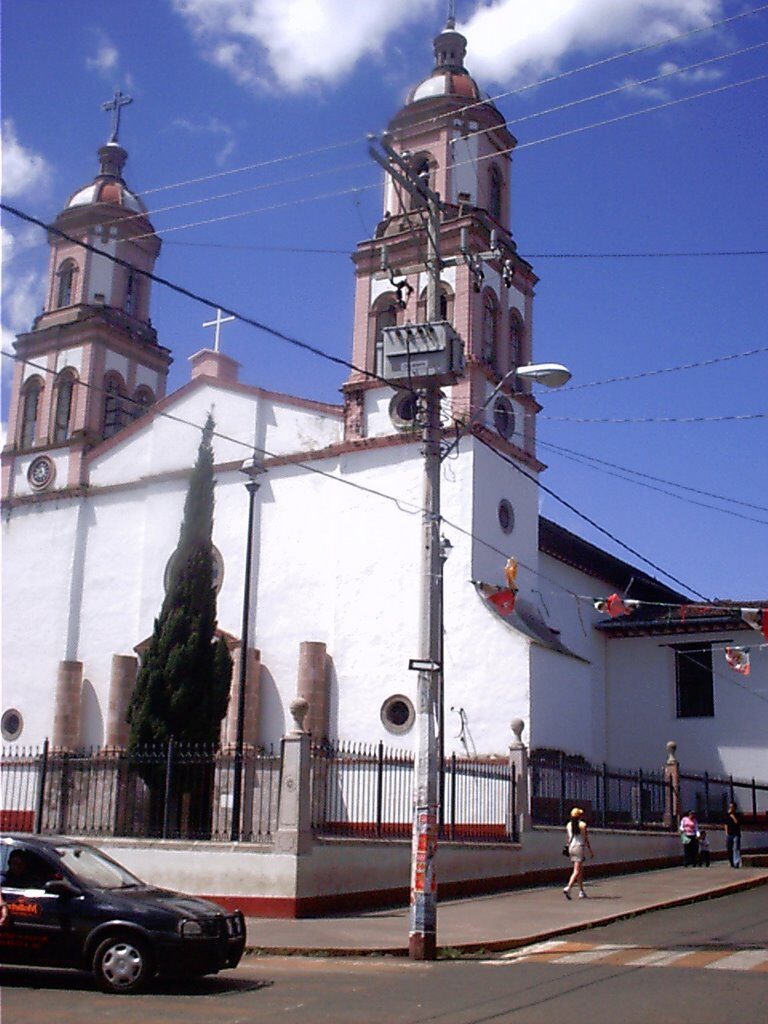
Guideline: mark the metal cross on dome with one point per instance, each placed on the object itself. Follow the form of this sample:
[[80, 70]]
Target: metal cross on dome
[[217, 324], [119, 100]]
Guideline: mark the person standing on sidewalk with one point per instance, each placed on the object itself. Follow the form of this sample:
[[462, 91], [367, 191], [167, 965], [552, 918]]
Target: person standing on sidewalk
[[733, 836], [689, 833], [578, 845]]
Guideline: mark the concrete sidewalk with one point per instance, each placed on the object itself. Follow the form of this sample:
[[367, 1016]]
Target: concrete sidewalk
[[502, 920]]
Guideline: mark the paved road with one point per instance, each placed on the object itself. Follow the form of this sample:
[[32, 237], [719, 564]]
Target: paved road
[[636, 971]]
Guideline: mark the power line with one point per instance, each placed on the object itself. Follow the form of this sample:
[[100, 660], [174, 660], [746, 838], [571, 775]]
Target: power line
[[649, 476], [667, 369], [473, 160], [511, 92], [658, 419], [528, 256], [626, 87], [634, 113], [582, 515], [212, 304], [402, 504], [603, 61], [620, 474]]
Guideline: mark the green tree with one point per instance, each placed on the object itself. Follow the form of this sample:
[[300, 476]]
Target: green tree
[[183, 684]]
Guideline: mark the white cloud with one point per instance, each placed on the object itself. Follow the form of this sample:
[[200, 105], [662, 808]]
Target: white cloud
[[508, 39], [214, 127], [293, 44], [24, 172], [107, 57], [290, 44]]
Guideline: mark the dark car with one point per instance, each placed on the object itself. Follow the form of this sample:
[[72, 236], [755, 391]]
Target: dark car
[[72, 906]]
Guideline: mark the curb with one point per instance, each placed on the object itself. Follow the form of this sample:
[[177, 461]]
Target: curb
[[501, 945]]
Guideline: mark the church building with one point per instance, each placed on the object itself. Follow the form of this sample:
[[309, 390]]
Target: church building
[[593, 654]]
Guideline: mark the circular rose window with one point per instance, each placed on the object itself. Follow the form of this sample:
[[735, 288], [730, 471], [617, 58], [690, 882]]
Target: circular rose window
[[41, 473]]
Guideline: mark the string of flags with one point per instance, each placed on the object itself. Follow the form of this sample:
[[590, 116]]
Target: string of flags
[[737, 658], [615, 606]]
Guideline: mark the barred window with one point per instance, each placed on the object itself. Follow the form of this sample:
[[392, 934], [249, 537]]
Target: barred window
[[693, 671]]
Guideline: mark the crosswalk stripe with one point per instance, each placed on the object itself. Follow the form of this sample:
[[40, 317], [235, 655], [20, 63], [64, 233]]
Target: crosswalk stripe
[[586, 956], [744, 960], [658, 958], [574, 953]]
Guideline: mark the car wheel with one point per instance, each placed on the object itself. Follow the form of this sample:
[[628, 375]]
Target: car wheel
[[122, 964]]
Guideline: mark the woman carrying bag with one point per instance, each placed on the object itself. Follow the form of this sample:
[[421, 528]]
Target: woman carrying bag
[[577, 846]]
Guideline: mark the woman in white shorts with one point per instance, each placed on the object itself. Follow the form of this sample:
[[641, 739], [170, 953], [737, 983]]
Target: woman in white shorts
[[578, 846]]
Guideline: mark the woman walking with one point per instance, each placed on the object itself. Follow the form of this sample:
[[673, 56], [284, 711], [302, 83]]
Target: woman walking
[[578, 844]]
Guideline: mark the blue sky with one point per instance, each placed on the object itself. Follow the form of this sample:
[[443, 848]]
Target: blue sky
[[223, 85]]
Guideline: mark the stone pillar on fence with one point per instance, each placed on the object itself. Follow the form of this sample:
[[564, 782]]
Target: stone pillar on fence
[[67, 703], [518, 759], [672, 787], [313, 686], [294, 819], [122, 682], [225, 763]]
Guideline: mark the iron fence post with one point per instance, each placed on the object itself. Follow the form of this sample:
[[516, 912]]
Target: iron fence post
[[562, 786], [41, 788], [513, 786], [754, 798], [640, 797], [379, 787], [706, 796], [167, 795], [605, 796], [453, 796]]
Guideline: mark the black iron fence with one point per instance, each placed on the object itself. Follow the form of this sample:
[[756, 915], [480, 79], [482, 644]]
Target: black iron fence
[[177, 791], [617, 798], [709, 796], [367, 791], [610, 798], [185, 792]]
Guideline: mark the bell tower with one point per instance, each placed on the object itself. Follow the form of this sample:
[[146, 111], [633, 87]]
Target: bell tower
[[454, 136], [91, 363]]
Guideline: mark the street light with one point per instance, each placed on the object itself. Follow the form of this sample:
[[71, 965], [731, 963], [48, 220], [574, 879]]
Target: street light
[[252, 468], [554, 375]]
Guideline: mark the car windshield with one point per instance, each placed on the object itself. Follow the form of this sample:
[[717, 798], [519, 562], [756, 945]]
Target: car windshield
[[94, 868]]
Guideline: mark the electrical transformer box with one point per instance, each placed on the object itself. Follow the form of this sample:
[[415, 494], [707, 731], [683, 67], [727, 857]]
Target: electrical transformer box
[[421, 354]]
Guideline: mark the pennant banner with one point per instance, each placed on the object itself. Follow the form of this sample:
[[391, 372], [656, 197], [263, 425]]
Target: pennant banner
[[615, 606], [757, 618], [502, 598], [738, 659]]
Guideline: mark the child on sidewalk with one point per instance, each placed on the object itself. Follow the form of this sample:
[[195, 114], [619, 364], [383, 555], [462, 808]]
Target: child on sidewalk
[[703, 850]]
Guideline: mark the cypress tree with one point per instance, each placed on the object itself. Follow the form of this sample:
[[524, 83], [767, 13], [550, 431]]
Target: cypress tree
[[183, 684]]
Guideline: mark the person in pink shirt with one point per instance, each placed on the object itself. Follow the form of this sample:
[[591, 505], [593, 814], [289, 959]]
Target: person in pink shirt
[[689, 833]]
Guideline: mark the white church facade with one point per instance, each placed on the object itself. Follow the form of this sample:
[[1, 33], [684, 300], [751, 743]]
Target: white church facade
[[98, 458]]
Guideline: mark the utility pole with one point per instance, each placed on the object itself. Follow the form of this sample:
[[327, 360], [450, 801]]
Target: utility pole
[[431, 357]]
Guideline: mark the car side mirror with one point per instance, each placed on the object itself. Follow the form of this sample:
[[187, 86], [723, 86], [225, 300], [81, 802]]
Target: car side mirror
[[61, 887]]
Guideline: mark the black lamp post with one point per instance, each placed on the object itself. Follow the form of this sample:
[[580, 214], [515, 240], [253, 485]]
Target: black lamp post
[[252, 469]]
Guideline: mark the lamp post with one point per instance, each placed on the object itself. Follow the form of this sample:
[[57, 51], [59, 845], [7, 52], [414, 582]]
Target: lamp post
[[252, 468]]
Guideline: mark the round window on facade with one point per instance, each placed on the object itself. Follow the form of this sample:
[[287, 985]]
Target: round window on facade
[[218, 570], [504, 416], [12, 724], [506, 516], [397, 714], [404, 410], [41, 473]]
